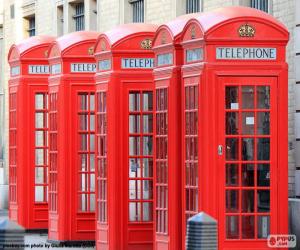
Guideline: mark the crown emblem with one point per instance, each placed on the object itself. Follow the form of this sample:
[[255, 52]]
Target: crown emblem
[[91, 50], [103, 45], [46, 53], [246, 30], [193, 32], [146, 44], [163, 38]]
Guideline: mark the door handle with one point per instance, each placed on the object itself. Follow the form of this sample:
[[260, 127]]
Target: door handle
[[220, 150]]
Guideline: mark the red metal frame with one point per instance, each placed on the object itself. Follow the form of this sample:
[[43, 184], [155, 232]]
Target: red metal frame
[[72, 138], [237, 187], [119, 227], [28, 87]]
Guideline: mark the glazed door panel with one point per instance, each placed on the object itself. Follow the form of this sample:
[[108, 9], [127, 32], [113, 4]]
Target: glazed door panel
[[247, 161]]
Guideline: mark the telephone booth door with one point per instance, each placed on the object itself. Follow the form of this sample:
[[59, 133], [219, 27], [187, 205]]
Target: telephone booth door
[[248, 162]]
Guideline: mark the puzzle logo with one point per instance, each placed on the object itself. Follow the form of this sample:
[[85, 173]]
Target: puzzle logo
[[282, 241]]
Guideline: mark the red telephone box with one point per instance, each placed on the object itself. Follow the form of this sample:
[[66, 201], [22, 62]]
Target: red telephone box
[[124, 97], [167, 78], [235, 80], [28, 165], [72, 138]]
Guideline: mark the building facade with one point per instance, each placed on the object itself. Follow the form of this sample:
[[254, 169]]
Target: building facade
[[20, 19]]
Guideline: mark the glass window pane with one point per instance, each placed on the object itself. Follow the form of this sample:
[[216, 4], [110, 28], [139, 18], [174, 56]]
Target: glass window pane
[[134, 102], [92, 122], [83, 198], [263, 123], [39, 175], [147, 145], [247, 201], [134, 168], [263, 200], [232, 175], [263, 227], [92, 162], [147, 101], [263, 149], [148, 123], [232, 227], [83, 162], [263, 97], [147, 189], [39, 138], [83, 122], [83, 102], [134, 145], [232, 148], [248, 175], [232, 98], [247, 149], [92, 102], [83, 182], [147, 167], [134, 211], [135, 189], [263, 175], [248, 122], [39, 193], [232, 123], [92, 142], [247, 227], [247, 97], [39, 101], [92, 182], [232, 201], [147, 211], [39, 157], [83, 142], [92, 202], [39, 120], [134, 123]]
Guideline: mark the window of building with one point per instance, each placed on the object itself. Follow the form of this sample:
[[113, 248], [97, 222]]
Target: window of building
[[93, 15], [31, 26], [12, 11], [60, 20], [79, 16], [260, 5], [138, 14], [193, 6]]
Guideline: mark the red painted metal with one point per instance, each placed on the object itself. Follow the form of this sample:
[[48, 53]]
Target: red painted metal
[[168, 223], [124, 93], [72, 138], [242, 126], [28, 166]]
